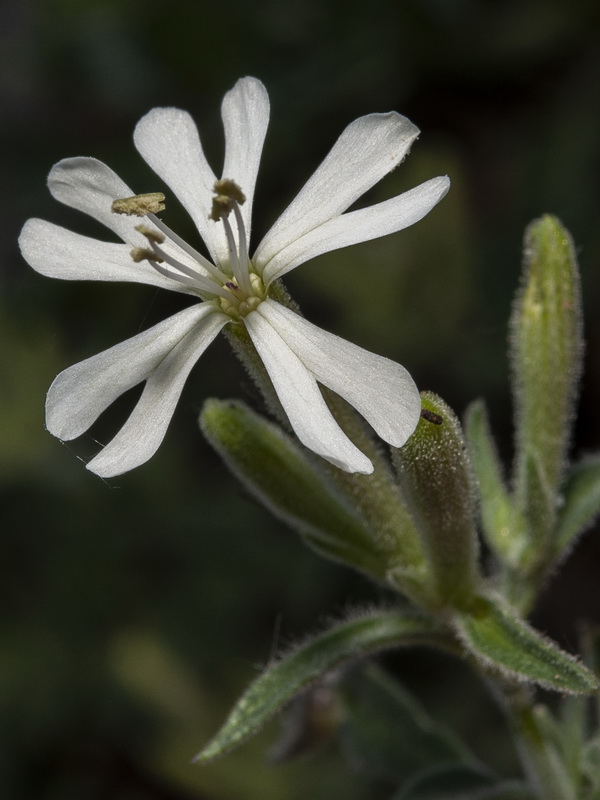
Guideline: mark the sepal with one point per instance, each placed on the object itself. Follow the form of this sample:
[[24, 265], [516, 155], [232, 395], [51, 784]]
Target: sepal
[[436, 480], [277, 472]]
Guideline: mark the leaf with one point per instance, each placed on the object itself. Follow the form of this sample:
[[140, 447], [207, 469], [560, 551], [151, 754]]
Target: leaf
[[461, 783], [497, 638], [590, 766], [581, 502], [502, 524], [387, 733], [364, 634]]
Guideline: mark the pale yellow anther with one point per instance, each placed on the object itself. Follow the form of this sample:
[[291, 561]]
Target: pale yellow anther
[[144, 254], [221, 207], [230, 189], [140, 204], [151, 234]]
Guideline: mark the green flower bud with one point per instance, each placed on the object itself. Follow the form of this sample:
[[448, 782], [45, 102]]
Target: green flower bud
[[435, 476], [546, 348]]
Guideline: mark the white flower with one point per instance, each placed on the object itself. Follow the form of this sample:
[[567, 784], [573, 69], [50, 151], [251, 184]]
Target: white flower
[[231, 287]]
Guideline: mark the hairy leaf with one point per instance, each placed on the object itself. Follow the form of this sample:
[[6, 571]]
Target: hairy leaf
[[497, 638], [581, 502], [365, 634]]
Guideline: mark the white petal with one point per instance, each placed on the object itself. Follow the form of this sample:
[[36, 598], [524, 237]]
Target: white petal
[[81, 393], [60, 253], [142, 434], [359, 226], [168, 140], [90, 186], [302, 400], [245, 113], [368, 149], [379, 389]]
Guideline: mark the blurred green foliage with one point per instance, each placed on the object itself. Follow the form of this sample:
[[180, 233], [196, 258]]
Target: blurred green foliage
[[134, 612]]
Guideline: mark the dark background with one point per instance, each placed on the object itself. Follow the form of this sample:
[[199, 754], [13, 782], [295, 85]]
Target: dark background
[[134, 611]]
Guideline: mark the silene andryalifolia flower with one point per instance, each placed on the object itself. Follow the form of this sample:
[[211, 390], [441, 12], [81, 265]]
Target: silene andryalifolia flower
[[229, 286]]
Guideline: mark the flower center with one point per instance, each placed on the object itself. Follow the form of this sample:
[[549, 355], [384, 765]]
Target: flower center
[[233, 286]]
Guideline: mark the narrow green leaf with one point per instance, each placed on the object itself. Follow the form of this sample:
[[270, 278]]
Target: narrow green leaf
[[497, 638], [541, 511], [275, 471], [450, 782], [538, 740], [365, 634], [386, 732], [546, 348], [590, 767], [435, 475], [572, 729], [581, 502], [503, 525]]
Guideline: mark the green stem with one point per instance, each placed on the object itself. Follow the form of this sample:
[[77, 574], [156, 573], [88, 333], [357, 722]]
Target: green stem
[[541, 760]]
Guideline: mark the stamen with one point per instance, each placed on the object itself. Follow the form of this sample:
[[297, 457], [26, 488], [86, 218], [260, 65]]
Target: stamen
[[150, 234], [230, 189], [191, 251], [243, 245], [201, 285], [201, 282], [221, 207], [169, 274], [228, 198], [140, 254], [139, 205]]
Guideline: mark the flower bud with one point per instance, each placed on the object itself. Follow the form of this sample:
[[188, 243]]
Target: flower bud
[[435, 476], [546, 348]]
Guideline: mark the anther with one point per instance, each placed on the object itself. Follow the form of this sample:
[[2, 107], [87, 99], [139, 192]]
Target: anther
[[139, 254], [229, 188], [139, 205], [150, 234], [221, 207]]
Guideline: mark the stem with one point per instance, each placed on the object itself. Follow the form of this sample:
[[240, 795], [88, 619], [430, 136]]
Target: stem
[[541, 760]]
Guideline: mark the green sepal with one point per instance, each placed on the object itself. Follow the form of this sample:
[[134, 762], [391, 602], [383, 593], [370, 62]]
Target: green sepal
[[581, 503], [546, 349], [386, 732], [503, 525], [435, 476], [502, 642], [362, 635], [277, 473]]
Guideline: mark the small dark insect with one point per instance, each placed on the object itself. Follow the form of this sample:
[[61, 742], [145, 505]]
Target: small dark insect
[[431, 416]]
